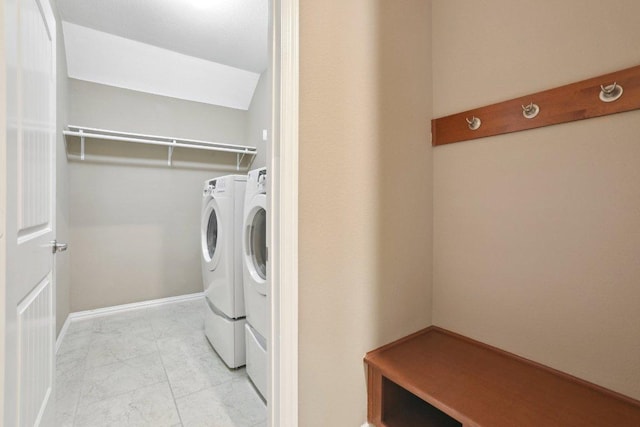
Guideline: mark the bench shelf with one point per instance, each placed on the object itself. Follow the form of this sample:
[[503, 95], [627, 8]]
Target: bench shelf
[[435, 378]]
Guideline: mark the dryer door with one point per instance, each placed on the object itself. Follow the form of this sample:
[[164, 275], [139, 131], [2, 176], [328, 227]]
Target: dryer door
[[210, 234], [255, 243]]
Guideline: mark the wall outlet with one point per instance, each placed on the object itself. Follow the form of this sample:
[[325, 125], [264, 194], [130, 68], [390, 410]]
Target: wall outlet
[[265, 135]]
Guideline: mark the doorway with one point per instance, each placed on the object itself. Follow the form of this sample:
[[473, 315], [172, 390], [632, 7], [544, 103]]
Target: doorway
[[283, 161]]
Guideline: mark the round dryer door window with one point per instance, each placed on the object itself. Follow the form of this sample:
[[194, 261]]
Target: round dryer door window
[[212, 233], [258, 242]]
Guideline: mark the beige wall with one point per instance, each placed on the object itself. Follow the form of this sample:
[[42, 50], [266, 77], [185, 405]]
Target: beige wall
[[135, 223], [63, 273], [536, 234], [365, 194], [259, 118]]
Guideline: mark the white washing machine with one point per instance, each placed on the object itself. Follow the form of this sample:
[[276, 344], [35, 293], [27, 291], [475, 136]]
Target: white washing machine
[[256, 283], [221, 249]]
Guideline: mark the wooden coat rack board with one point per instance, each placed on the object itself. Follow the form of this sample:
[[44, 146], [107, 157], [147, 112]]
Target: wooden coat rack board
[[607, 94]]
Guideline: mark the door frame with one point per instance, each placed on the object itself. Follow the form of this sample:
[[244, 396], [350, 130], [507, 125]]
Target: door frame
[[283, 204], [3, 201]]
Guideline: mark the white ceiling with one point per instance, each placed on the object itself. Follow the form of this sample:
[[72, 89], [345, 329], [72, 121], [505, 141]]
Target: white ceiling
[[229, 32], [103, 58]]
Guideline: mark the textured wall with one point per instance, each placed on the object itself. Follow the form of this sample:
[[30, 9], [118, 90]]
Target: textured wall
[[536, 233], [135, 223], [365, 194]]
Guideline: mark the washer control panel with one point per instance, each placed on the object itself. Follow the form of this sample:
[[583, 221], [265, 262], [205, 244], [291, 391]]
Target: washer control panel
[[209, 188], [262, 181]]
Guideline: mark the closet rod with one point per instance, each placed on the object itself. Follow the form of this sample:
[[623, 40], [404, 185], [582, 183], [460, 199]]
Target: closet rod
[[241, 150], [156, 137], [165, 141]]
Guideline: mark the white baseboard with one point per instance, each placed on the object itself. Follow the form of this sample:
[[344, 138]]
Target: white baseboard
[[367, 425], [100, 312]]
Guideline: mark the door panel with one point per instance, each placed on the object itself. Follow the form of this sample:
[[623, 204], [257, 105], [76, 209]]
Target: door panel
[[34, 341], [29, 305], [34, 135]]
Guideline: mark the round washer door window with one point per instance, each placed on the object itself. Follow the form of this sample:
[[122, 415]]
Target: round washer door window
[[212, 233], [258, 243]]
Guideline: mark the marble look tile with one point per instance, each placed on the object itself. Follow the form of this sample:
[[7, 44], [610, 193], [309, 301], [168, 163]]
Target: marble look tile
[[192, 344], [124, 323], [67, 392], [80, 327], [190, 373], [164, 327], [71, 360], [116, 348], [232, 404], [63, 419], [147, 406], [74, 346], [158, 352], [109, 380], [193, 306], [69, 383], [65, 410]]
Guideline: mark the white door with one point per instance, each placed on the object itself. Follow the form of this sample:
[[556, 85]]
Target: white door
[[29, 27]]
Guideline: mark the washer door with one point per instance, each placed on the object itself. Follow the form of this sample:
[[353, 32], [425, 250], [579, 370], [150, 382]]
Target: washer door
[[255, 243], [210, 231]]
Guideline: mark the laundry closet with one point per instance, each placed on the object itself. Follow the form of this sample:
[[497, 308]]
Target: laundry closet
[[155, 103]]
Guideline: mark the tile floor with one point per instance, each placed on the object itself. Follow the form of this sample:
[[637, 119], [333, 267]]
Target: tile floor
[[150, 367]]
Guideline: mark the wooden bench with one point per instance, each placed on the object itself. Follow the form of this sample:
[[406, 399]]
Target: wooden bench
[[437, 378]]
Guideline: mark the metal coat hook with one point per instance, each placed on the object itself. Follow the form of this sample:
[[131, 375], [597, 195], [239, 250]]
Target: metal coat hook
[[474, 123], [611, 92], [530, 111]]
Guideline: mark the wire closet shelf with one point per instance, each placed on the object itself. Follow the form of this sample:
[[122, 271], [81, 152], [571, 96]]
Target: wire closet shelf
[[170, 142]]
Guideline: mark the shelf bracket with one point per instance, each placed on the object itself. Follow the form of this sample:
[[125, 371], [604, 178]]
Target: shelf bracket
[[239, 160], [81, 145], [170, 159]]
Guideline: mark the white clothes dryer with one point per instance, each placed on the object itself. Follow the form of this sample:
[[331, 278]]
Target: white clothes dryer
[[256, 283], [221, 250]]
